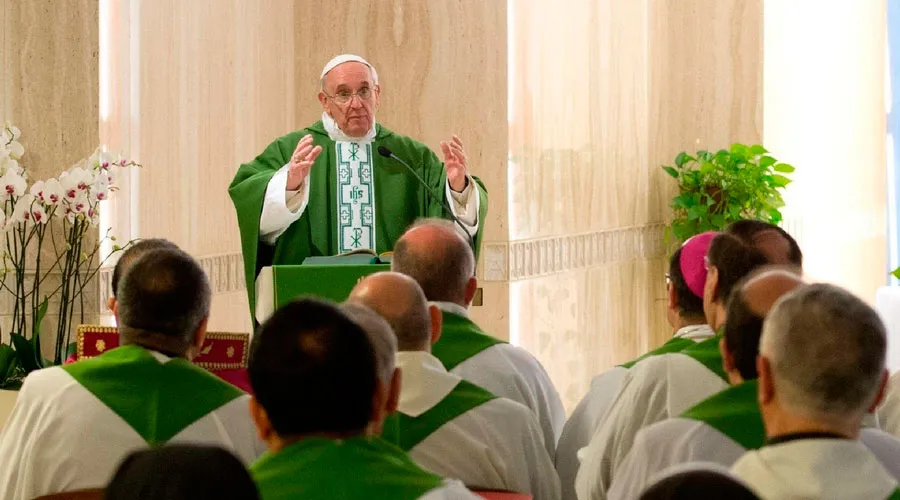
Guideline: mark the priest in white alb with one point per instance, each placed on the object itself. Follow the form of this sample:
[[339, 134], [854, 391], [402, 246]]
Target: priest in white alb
[[821, 370], [73, 424], [446, 424]]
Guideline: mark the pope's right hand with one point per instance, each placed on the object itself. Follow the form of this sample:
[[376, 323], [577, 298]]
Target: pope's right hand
[[302, 160]]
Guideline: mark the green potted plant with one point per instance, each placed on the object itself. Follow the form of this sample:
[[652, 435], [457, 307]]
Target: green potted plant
[[716, 189]]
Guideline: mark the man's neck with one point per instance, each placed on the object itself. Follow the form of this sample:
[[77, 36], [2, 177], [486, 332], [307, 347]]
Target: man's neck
[[157, 342], [686, 321], [782, 424], [277, 443]]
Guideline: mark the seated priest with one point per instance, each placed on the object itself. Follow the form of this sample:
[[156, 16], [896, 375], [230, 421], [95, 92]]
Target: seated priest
[[128, 257], [446, 424], [685, 281], [329, 189], [322, 392], [664, 386], [73, 424], [440, 260], [721, 428], [821, 370]]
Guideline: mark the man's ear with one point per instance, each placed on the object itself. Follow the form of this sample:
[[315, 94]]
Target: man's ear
[[199, 337], [111, 304], [727, 358], [766, 392], [323, 100], [394, 394], [261, 419], [882, 389], [437, 323], [673, 297], [471, 289]]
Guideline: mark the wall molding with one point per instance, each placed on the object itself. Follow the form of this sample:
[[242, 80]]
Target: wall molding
[[512, 261]]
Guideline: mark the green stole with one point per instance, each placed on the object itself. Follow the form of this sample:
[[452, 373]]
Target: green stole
[[675, 344], [358, 467], [460, 339], [895, 495], [158, 400], [407, 432], [398, 197], [733, 412], [707, 353]]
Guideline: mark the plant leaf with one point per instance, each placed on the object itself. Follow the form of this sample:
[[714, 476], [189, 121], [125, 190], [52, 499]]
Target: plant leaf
[[767, 161], [681, 159], [896, 273], [25, 353], [671, 171], [784, 168], [757, 150], [780, 181]]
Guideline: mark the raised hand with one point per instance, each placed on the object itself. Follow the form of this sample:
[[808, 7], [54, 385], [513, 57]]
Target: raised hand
[[455, 163], [302, 160]]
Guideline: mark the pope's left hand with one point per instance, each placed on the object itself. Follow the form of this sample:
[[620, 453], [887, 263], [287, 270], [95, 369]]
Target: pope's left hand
[[455, 163]]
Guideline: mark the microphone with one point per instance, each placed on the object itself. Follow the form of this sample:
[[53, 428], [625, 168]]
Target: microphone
[[387, 153]]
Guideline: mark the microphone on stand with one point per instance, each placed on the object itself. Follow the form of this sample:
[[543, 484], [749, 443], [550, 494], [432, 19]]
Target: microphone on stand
[[387, 153]]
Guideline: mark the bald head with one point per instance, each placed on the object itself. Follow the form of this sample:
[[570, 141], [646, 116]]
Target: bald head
[[438, 258], [747, 309], [383, 340], [775, 243], [400, 301]]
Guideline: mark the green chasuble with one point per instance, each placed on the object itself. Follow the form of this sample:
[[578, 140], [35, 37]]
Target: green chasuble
[[158, 400], [355, 468], [733, 412], [396, 196], [460, 339], [674, 344], [407, 432], [707, 354]]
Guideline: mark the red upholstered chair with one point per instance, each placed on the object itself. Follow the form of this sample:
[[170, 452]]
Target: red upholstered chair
[[501, 495], [224, 354]]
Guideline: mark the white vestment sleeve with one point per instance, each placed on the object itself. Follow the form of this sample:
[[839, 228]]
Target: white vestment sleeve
[[281, 207], [17, 445], [465, 205], [450, 490]]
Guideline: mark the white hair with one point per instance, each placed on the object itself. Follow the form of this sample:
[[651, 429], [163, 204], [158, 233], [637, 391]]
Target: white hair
[[380, 334], [827, 351]]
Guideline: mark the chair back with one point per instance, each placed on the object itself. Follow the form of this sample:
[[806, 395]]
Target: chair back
[[94, 494], [220, 351]]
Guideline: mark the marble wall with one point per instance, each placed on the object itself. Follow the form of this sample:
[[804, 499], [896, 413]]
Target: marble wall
[[49, 89], [602, 94]]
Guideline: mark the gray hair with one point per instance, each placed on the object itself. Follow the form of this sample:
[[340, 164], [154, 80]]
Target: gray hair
[[380, 334], [827, 350], [442, 268]]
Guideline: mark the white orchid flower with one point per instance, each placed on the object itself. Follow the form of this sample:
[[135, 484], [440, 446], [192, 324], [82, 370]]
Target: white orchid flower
[[101, 185], [75, 181], [12, 184], [22, 210], [39, 214]]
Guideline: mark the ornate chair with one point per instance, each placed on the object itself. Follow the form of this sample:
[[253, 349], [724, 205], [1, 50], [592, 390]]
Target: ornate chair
[[224, 354]]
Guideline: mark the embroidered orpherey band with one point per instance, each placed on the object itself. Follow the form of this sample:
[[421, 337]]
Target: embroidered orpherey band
[[356, 196]]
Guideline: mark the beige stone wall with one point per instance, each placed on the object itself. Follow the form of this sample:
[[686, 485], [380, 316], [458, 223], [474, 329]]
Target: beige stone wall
[[49, 89], [603, 93]]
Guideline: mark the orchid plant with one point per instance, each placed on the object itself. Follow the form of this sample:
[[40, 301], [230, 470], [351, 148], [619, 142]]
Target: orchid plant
[[48, 254]]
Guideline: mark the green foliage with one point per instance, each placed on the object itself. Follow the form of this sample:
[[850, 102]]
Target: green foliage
[[716, 189]]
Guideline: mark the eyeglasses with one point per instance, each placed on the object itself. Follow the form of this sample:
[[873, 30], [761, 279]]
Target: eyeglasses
[[344, 97]]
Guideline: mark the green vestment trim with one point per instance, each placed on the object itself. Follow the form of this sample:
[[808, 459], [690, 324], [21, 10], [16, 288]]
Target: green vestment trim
[[398, 196], [895, 495], [407, 432], [735, 413], [460, 339], [158, 400], [318, 468], [707, 354], [674, 344]]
